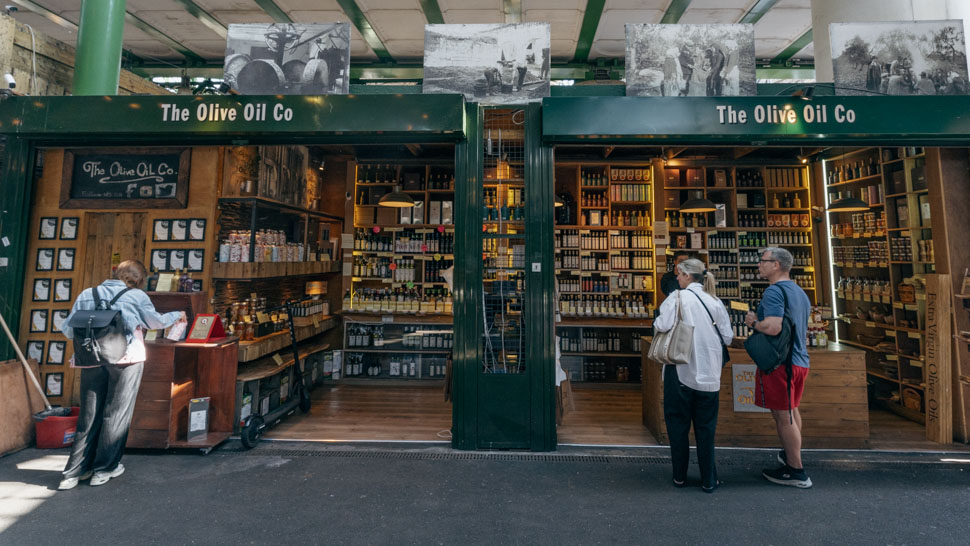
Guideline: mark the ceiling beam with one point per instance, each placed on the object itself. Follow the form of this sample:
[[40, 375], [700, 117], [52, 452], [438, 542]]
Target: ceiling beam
[[739, 152], [758, 11], [432, 12], [165, 39], [513, 11], [591, 21], [415, 149], [359, 20], [274, 11], [204, 17], [675, 11], [793, 48], [674, 152]]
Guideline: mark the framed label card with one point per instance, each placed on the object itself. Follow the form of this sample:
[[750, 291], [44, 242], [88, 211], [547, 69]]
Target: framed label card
[[204, 328], [58, 320], [197, 229], [69, 228], [62, 289], [176, 259], [160, 230], [160, 259], [55, 384], [65, 259], [38, 321], [196, 259], [48, 228], [180, 230], [35, 350], [45, 259], [55, 352], [42, 290]]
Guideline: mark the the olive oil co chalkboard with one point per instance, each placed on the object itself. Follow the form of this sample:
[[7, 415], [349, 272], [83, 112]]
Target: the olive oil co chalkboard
[[110, 178]]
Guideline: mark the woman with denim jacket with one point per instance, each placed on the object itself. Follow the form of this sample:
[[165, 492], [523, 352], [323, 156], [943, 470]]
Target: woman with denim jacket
[[108, 391], [691, 390]]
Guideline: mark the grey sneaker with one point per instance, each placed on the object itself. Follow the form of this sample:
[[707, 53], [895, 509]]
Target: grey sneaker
[[71, 483], [786, 475], [102, 477]]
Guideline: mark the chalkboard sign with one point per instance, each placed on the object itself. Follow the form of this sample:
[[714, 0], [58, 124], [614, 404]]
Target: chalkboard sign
[[108, 178]]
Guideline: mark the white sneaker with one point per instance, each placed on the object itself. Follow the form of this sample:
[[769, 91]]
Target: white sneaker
[[101, 478], [71, 483]]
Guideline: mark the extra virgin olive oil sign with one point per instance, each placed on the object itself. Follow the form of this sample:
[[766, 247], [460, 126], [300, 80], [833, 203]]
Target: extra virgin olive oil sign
[[125, 178]]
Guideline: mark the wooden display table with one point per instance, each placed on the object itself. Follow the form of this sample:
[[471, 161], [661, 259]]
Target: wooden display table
[[174, 374], [834, 407]]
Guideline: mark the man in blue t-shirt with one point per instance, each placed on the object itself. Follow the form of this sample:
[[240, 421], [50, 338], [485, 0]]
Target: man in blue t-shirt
[[772, 390]]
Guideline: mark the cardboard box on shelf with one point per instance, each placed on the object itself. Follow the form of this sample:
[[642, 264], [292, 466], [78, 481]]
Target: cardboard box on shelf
[[447, 212], [434, 212]]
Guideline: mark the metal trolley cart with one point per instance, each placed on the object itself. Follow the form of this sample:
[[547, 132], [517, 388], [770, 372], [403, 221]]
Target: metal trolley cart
[[269, 389]]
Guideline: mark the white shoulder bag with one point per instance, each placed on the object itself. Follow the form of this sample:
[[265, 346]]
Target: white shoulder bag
[[675, 345]]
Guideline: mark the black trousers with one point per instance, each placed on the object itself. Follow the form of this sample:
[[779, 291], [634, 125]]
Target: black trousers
[[683, 406], [107, 401]]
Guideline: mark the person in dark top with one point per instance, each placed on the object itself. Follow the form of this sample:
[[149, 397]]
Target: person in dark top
[[874, 76], [669, 283], [714, 79]]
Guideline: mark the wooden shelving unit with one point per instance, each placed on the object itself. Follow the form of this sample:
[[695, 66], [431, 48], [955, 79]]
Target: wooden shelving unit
[[880, 257]]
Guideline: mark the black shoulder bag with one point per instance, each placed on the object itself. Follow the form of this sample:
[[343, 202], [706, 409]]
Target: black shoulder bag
[[770, 352], [725, 355], [100, 336]]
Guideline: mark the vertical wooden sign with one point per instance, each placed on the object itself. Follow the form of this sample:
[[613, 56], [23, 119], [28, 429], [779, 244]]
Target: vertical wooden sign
[[939, 402]]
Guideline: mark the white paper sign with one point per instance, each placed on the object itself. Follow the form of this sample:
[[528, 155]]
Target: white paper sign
[[62, 290], [661, 233], [58, 319], [56, 355], [743, 383], [48, 228], [45, 259], [69, 228], [179, 228], [161, 230], [197, 421], [65, 259], [42, 289], [195, 260], [197, 230], [160, 259], [35, 350], [177, 259]]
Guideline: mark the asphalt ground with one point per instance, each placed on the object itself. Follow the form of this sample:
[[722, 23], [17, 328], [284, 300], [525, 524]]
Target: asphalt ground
[[306, 493]]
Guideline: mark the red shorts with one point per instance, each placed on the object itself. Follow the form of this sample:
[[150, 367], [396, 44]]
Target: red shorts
[[769, 390]]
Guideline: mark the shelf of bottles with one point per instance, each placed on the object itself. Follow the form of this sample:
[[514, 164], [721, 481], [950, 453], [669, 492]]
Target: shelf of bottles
[[601, 354], [399, 254], [378, 350], [878, 258]]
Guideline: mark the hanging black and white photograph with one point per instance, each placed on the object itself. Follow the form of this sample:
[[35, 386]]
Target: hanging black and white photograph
[[489, 64], [899, 58], [690, 60], [288, 58]]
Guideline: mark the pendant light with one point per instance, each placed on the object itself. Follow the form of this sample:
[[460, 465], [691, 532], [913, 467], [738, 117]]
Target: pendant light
[[698, 203], [396, 199], [848, 204]]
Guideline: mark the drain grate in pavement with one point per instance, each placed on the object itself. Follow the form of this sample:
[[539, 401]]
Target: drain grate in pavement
[[413, 455]]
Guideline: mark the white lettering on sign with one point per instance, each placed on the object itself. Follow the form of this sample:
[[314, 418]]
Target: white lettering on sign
[[772, 114], [206, 112]]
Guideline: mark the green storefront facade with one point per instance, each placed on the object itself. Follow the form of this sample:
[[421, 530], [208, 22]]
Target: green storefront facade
[[514, 411]]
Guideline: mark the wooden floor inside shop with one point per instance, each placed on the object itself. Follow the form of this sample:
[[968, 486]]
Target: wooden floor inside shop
[[605, 415], [354, 413]]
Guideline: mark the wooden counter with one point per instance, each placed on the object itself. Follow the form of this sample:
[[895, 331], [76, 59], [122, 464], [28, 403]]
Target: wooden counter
[[834, 406]]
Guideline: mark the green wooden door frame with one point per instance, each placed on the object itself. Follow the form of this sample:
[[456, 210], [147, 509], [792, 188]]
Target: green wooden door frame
[[15, 200]]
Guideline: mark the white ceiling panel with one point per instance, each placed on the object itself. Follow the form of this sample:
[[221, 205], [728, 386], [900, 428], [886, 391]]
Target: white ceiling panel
[[398, 24], [473, 16], [368, 5], [405, 49], [227, 5], [608, 49], [528, 5], [234, 17], [324, 17], [179, 25], [563, 50], [563, 23], [783, 23], [807, 52], [136, 34], [447, 5], [134, 6], [44, 25], [712, 16], [210, 49], [743, 5], [151, 50], [769, 48], [57, 6], [308, 5], [805, 4], [612, 22], [361, 52], [660, 5]]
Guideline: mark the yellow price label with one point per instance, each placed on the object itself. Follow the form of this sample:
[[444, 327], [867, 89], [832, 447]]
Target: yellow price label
[[740, 306], [278, 359]]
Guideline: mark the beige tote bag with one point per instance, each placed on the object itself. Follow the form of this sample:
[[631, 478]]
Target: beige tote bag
[[675, 345]]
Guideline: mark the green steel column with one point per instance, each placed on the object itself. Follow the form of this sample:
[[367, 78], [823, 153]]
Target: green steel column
[[97, 64], [14, 227], [467, 359]]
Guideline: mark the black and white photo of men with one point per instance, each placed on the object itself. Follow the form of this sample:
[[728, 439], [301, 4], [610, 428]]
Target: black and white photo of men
[[490, 64], [288, 58], [899, 58], [690, 60]]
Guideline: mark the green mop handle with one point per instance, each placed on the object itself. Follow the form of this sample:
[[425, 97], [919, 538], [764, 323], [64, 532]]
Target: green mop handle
[[23, 361]]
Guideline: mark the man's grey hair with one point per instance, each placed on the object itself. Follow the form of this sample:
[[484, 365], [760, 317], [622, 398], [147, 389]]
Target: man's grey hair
[[784, 257]]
